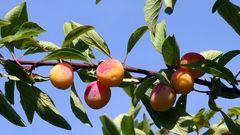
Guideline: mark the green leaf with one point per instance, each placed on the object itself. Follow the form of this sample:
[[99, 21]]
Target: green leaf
[[230, 14], [234, 110], [77, 107], [9, 113], [136, 35], [97, 1], [134, 110], [39, 78], [146, 127], [164, 76], [139, 132], [27, 30], [42, 46], [218, 91], [140, 91], [170, 51], [9, 91], [160, 36], [228, 56], [17, 71], [212, 104], [212, 54], [201, 120], [216, 130], [109, 126], [184, 126], [151, 13], [214, 69], [233, 127], [75, 33], [172, 119], [84, 48], [4, 23], [47, 110], [169, 6], [127, 125], [218, 4], [10, 77], [87, 75], [28, 101], [209, 114], [17, 16], [182, 102], [91, 38], [129, 89], [65, 53], [215, 88]]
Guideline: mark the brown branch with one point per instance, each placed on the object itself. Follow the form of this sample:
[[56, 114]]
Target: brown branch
[[148, 73]]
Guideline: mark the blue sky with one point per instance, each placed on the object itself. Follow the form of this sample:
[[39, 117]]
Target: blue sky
[[192, 22]]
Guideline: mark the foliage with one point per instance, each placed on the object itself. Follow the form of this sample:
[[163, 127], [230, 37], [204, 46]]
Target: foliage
[[17, 32]]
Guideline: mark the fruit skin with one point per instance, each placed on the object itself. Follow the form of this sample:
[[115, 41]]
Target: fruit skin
[[61, 75], [182, 81], [190, 58], [97, 95], [110, 72], [162, 97]]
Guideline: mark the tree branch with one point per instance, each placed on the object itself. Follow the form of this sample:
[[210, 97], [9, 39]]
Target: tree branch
[[77, 66]]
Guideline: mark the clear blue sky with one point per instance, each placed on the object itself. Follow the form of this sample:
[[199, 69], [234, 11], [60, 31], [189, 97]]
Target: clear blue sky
[[192, 22]]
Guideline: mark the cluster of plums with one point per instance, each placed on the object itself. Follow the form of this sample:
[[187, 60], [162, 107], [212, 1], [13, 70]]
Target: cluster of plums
[[182, 80], [110, 73]]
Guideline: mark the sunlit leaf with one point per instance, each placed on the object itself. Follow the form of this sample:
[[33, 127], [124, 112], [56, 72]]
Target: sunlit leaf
[[151, 12], [91, 38], [212, 54], [109, 126], [127, 125], [4, 23], [134, 110], [169, 6], [160, 35]]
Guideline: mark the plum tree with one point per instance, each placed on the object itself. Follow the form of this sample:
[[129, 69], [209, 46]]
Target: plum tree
[[97, 95], [190, 58], [182, 81], [61, 75], [110, 72], [162, 97], [155, 90]]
